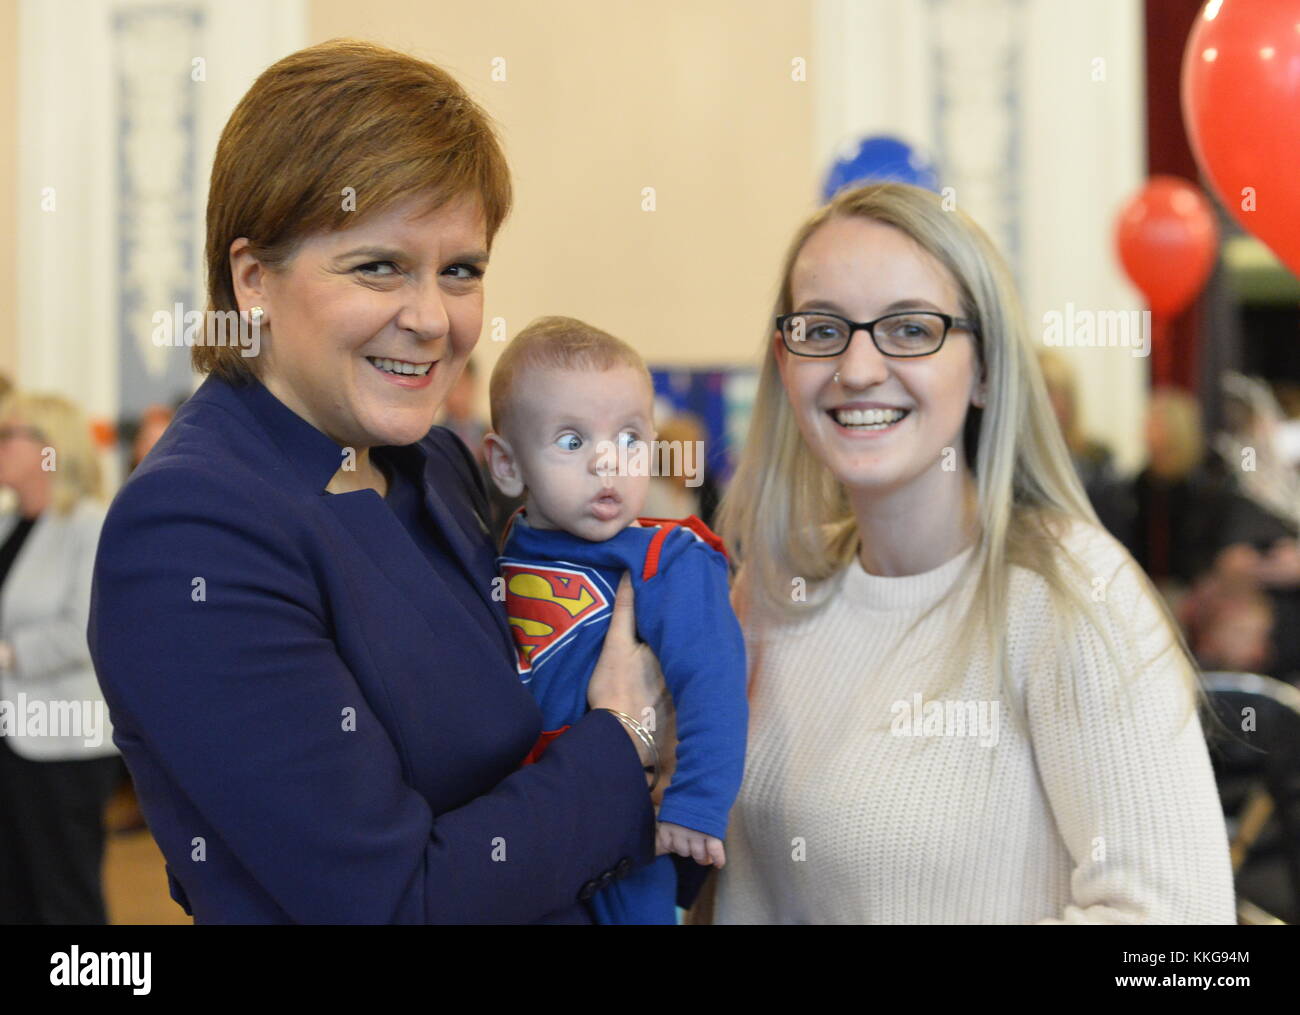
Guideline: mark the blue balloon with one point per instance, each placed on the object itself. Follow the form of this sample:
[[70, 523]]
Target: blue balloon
[[877, 160]]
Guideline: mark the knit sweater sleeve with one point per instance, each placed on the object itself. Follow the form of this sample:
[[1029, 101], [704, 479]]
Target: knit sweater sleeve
[[1123, 762]]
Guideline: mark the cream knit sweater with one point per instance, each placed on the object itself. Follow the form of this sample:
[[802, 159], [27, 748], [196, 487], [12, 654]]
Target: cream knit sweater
[[865, 799]]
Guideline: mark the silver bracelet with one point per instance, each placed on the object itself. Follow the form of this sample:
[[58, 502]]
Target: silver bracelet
[[645, 736]]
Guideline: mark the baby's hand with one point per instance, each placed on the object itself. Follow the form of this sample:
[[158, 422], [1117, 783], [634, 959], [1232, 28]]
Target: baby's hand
[[689, 843]]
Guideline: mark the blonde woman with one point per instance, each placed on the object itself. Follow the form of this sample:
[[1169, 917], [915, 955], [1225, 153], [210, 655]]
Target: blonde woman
[[1183, 509], [58, 765], [967, 704]]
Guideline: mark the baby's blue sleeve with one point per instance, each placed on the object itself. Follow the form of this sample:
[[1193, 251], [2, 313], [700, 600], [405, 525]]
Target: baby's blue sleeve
[[684, 614]]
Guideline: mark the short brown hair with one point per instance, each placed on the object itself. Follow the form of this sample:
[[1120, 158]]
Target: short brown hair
[[344, 113], [556, 343]]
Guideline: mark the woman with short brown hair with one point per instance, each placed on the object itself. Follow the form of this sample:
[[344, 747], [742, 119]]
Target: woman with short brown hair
[[295, 620]]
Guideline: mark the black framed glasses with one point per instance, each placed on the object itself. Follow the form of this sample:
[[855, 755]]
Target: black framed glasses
[[901, 335]]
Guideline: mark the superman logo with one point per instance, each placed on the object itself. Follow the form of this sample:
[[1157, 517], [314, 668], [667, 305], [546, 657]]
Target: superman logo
[[547, 605]]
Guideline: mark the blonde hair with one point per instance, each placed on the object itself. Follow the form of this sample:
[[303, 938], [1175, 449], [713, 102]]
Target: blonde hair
[[1059, 377], [63, 426], [785, 515], [1180, 417], [556, 343]]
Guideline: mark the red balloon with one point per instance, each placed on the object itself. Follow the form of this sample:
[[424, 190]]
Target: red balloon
[[1241, 104], [1168, 242]]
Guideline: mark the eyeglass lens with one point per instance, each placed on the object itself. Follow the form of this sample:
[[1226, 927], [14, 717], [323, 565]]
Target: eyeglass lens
[[911, 334]]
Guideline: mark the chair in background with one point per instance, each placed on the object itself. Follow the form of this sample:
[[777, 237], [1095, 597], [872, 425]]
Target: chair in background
[[1257, 766]]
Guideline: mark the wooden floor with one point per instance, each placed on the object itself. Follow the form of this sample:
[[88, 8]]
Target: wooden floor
[[135, 883]]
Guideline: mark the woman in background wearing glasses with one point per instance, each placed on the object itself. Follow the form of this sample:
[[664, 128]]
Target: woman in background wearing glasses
[[967, 704], [55, 776]]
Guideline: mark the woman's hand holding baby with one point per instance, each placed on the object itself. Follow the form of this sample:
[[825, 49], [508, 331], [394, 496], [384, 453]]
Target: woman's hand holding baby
[[627, 677]]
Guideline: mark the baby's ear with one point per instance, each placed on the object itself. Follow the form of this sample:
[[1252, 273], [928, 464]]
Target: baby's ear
[[502, 464]]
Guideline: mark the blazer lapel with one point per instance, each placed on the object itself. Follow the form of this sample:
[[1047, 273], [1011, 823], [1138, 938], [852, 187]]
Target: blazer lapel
[[470, 541], [315, 458], [387, 543]]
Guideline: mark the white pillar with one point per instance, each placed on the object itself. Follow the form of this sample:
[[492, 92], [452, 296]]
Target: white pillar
[[122, 104]]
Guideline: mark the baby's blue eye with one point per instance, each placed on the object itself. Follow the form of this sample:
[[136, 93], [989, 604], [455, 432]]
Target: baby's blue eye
[[628, 439], [569, 442]]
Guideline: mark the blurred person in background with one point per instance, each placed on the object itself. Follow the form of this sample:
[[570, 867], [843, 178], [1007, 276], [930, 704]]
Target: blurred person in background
[[1228, 619], [6, 495], [1092, 460], [1182, 510], [1256, 448], [54, 780], [1245, 613], [677, 496], [1287, 394], [1222, 525], [459, 416], [153, 422], [1278, 575], [1252, 449]]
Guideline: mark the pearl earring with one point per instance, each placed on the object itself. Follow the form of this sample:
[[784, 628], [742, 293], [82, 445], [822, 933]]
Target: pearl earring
[[256, 314]]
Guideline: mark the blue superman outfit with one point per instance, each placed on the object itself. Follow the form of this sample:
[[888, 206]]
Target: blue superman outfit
[[560, 597]]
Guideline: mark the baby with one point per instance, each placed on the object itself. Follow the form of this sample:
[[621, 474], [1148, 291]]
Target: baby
[[572, 428]]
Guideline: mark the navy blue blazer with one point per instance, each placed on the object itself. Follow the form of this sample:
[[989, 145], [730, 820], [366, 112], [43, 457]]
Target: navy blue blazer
[[321, 726]]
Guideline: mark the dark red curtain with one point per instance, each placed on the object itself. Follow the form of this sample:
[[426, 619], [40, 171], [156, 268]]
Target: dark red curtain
[[1168, 24]]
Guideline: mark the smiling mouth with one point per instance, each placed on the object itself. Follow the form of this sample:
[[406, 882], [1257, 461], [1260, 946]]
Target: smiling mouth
[[867, 419], [402, 368]]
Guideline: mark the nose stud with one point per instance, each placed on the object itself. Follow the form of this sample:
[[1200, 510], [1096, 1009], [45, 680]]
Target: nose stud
[[837, 377]]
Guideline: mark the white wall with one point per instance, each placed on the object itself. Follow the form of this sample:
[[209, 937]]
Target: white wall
[[114, 130], [684, 97]]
